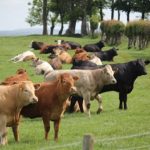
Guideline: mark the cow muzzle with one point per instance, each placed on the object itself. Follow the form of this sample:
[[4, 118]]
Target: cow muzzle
[[73, 90], [114, 81], [34, 100]]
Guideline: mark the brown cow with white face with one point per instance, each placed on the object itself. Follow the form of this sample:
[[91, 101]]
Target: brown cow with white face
[[12, 99]]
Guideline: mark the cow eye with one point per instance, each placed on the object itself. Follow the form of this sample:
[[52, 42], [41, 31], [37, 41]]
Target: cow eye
[[25, 90]]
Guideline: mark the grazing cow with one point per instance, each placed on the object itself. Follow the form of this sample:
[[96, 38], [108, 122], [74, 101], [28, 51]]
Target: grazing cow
[[90, 82], [37, 45], [25, 56], [55, 62], [107, 55], [94, 47], [63, 55], [73, 45], [52, 100], [12, 99], [49, 48], [21, 75], [126, 75]]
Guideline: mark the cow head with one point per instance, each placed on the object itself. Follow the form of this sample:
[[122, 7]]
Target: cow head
[[27, 92], [100, 44], [67, 82], [108, 75], [140, 67]]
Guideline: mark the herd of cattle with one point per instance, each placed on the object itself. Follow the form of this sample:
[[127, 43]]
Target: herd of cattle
[[64, 89]]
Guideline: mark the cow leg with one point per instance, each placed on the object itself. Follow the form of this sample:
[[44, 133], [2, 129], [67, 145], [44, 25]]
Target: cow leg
[[87, 103], [73, 100], [99, 99], [56, 129], [3, 131], [46, 125], [15, 132], [80, 102], [123, 99]]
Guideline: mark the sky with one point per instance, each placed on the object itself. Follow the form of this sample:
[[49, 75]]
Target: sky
[[14, 12]]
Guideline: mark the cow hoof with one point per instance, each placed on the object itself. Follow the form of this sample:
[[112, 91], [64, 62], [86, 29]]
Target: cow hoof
[[99, 110]]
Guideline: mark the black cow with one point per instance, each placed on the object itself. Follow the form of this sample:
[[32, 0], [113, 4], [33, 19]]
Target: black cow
[[37, 45], [73, 45], [94, 47], [126, 75], [107, 55], [79, 63]]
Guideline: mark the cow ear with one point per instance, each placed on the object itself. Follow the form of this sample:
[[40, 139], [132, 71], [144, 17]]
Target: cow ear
[[115, 69], [37, 86], [147, 62], [75, 78], [21, 85]]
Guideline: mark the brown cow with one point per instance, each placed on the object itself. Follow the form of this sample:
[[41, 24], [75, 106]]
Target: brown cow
[[56, 63], [52, 100], [63, 55], [21, 75], [80, 54], [12, 99]]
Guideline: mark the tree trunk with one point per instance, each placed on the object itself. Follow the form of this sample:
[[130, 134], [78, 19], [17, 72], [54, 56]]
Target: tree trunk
[[52, 28], [84, 26], [112, 10], [101, 14], [71, 28], [45, 14], [62, 25], [128, 16], [119, 15], [143, 15]]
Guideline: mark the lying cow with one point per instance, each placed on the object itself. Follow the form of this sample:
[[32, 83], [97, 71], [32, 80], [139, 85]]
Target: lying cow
[[12, 99], [49, 48], [90, 82], [63, 55], [37, 45], [73, 45], [96, 47], [126, 75], [21, 75], [41, 67], [25, 56], [107, 55], [52, 102]]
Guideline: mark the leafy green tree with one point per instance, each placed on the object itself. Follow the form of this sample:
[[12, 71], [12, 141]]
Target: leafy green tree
[[142, 6], [94, 20]]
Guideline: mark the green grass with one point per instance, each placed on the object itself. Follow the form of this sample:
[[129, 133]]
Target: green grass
[[112, 129]]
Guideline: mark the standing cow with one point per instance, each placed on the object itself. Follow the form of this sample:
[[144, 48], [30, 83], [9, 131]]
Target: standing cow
[[52, 102], [90, 82], [126, 75], [12, 99]]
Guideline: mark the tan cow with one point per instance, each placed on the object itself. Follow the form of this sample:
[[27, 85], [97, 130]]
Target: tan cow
[[90, 82], [12, 99], [63, 55]]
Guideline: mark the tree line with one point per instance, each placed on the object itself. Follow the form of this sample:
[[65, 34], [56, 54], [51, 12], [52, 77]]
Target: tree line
[[49, 12]]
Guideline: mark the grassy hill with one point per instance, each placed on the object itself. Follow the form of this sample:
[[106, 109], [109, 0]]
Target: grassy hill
[[112, 129]]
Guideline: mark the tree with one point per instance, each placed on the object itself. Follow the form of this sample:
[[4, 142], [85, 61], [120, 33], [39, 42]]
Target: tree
[[94, 20], [124, 5], [142, 6], [38, 14]]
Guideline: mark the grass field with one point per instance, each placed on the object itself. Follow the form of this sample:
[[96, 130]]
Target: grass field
[[113, 129]]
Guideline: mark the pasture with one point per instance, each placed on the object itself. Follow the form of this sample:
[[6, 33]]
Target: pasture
[[112, 129]]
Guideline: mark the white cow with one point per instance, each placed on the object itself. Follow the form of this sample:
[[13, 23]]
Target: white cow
[[90, 82], [25, 56]]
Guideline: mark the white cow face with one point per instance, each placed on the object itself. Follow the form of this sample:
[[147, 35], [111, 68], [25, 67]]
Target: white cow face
[[109, 75], [28, 92]]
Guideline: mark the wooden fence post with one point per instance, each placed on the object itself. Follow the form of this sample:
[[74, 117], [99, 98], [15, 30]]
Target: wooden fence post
[[88, 142]]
